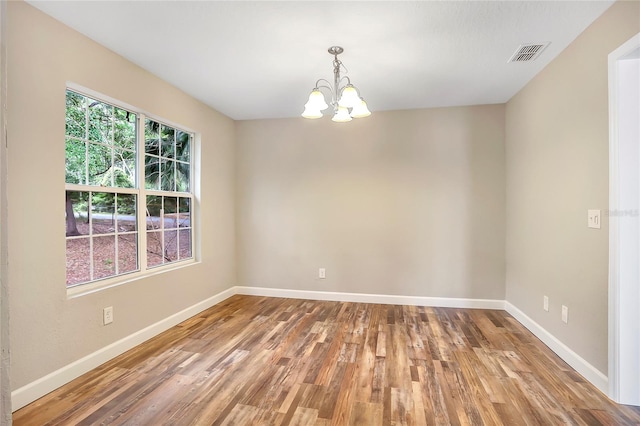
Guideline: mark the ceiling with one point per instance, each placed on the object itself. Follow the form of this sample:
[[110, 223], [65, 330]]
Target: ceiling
[[252, 60]]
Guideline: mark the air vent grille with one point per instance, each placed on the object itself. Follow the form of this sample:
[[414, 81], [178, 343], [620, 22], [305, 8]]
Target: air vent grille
[[528, 52]]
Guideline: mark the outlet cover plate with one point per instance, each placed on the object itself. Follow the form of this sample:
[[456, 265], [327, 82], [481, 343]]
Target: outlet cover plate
[[593, 219], [107, 315]]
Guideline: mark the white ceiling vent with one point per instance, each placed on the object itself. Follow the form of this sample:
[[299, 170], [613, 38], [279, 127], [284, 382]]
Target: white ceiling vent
[[528, 52]]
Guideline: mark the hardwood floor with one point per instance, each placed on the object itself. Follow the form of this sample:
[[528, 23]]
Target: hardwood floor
[[257, 360]]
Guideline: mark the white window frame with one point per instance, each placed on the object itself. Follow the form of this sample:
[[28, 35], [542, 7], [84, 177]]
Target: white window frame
[[141, 206]]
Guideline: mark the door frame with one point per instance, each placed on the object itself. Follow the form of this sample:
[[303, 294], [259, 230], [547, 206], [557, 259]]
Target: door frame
[[624, 335]]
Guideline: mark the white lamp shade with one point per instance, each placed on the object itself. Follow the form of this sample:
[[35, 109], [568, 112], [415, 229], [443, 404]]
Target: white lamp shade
[[316, 101], [360, 110], [349, 97], [342, 115], [309, 112]]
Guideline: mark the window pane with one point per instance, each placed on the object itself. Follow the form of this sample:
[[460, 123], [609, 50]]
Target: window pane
[[168, 175], [126, 213], [100, 121], [75, 118], [102, 212], [127, 253], [152, 172], [170, 212], [154, 248], [168, 142], [104, 257], [75, 159], [154, 207], [185, 212], [185, 244], [170, 205], [171, 245], [76, 217], [151, 137], [99, 165], [78, 266], [183, 146], [182, 177], [124, 167], [124, 129]]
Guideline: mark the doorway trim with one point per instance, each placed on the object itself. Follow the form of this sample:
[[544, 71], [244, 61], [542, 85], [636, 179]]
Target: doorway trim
[[624, 336]]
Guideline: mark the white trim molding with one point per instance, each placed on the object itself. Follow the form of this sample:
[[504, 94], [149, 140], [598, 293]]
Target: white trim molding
[[38, 388], [385, 299], [624, 300], [587, 370]]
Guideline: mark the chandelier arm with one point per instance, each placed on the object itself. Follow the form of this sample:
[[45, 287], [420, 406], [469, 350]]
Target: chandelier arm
[[322, 86], [345, 78], [327, 86]]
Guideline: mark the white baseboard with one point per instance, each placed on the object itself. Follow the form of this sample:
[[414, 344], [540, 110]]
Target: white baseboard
[[587, 370], [38, 388], [34, 390], [386, 299]]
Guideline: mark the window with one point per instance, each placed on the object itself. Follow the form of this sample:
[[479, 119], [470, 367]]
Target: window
[[120, 179], [167, 182]]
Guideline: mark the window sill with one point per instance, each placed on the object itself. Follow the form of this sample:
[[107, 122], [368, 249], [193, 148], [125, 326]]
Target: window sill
[[90, 288]]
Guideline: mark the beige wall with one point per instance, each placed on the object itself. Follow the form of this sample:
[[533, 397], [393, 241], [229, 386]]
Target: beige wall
[[557, 167], [404, 203], [48, 330]]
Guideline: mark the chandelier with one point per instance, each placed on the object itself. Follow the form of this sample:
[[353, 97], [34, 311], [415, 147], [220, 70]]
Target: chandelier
[[345, 100]]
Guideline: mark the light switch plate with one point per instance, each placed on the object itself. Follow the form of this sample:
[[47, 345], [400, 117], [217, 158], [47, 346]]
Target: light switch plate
[[593, 219], [545, 303]]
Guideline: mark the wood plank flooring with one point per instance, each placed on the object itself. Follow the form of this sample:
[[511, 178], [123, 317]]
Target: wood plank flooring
[[268, 361]]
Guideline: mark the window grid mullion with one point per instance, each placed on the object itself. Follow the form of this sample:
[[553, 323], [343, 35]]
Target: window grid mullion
[[91, 188], [112, 147], [178, 254], [86, 143], [116, 238], [142, 194], [162, 248], [168, 193], [91, 245]]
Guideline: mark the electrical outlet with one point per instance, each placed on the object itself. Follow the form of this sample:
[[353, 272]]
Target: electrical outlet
[[107, 315], [545, 303], [322, 273], [565, 314]]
